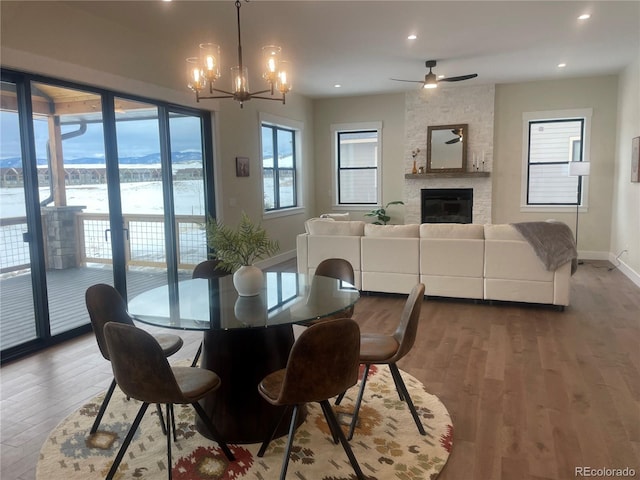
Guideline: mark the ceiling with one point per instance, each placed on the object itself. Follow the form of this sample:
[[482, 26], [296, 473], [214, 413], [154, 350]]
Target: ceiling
[[362, 44]]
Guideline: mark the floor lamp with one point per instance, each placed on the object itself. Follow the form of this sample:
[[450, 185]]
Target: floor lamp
[[579, 169]]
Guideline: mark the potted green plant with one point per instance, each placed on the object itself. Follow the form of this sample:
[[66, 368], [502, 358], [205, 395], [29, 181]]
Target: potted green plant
[[238, 248], [381, 213]]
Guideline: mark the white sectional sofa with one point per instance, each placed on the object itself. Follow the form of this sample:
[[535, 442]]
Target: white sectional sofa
[[513, 272], [483, 262], [326, 238]]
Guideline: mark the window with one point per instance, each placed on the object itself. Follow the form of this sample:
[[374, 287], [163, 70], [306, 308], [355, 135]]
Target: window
[[279, 163], [357, 164], [552, 140]]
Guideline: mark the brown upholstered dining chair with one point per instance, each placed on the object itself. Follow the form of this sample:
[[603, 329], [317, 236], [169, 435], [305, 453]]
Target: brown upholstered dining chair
[[143, 373], [105, 305], [340, 269], [206, 269], [323, 362], [376, 349]]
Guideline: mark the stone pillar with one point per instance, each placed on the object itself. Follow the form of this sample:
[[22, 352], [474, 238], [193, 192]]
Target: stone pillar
[[61, 236]]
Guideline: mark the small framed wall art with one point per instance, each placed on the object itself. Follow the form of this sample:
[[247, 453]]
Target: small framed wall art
[[635, 159], [242, 167]]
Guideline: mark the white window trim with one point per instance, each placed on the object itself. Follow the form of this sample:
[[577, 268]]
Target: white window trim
[[298, 128], [584, 113], [354, 127]]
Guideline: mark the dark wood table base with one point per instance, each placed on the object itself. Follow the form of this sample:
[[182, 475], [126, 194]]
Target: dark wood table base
[[242, 358]]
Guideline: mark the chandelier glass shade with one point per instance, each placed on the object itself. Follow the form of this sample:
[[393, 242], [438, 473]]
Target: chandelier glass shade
[[203, 72]]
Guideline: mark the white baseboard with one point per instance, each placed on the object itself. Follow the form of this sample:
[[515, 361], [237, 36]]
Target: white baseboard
[[626, 269], [611, 257]]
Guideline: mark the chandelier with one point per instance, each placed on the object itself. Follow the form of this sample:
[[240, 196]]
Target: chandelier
[[204, 70]]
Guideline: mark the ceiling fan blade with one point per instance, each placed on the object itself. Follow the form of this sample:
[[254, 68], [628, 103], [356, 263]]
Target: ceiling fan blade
[[453, 140], [400, 80], [457, 79]]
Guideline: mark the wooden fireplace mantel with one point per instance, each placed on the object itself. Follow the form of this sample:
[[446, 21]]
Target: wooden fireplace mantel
[[419, 176]]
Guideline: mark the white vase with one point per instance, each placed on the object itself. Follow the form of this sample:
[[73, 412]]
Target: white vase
[[251, 311], [248, 281]]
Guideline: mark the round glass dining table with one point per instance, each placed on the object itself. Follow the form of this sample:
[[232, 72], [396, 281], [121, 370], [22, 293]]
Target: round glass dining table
[[244, 338]]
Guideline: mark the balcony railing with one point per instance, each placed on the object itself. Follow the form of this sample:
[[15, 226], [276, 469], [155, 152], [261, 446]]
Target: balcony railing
[[144, 241], [15, 252]]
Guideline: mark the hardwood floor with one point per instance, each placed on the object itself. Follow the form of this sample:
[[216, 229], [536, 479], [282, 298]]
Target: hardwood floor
[[533, 392]]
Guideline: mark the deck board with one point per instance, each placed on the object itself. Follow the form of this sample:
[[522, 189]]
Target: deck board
[[66, 290]]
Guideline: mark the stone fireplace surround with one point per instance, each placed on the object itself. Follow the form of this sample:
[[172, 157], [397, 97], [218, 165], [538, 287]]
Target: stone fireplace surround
[[481, 196], [447, 106]]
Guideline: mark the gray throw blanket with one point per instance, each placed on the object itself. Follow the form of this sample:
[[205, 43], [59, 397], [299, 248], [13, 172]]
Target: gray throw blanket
[[553, 243]]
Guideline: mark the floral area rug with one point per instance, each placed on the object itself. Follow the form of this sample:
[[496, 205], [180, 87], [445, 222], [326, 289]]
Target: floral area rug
[[386, 442]]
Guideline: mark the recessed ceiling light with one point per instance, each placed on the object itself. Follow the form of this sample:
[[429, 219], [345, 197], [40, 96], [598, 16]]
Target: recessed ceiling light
[[440, 76], [337, 85], [412, 37], [562, 65], [584, 16]]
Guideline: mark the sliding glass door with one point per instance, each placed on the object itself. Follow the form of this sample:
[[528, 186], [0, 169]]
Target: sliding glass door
[[17, 318], [116, 190], [157, 184]]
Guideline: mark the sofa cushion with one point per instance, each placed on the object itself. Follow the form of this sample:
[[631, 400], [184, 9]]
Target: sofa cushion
[[393, 255], [452, 257], [329, 227], [322, 247], [502, 232], [513, 260], [453, 286], [401, 231], [452, 230], [315, 219]]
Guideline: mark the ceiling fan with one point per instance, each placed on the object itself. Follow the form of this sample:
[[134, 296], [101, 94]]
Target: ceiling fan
[[430, 79], [458, 136]]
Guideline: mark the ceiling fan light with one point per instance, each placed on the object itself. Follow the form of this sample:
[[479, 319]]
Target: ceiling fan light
[[430, 80]]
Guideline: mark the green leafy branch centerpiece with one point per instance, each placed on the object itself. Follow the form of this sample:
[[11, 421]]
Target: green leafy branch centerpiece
[[238, 248]]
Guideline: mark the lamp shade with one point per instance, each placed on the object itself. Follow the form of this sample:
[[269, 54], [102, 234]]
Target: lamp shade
[[579, 169]]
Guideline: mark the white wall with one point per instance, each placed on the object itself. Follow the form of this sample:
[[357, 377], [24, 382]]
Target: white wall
[[388, 109], [512, 100], [625, 212], [238, 134]]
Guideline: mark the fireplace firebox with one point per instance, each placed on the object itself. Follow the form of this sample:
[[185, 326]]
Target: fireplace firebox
[[446, 205]]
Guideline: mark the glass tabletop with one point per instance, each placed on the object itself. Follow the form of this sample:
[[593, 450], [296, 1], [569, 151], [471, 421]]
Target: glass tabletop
[[203, 304]]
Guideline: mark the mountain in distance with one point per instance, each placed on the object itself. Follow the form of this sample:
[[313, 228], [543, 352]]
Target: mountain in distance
[[151, 159]]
